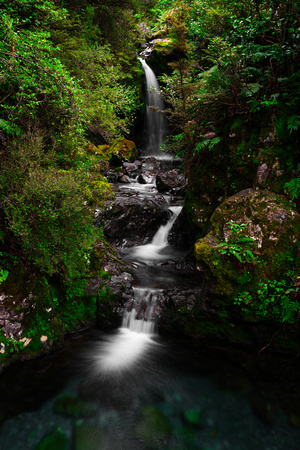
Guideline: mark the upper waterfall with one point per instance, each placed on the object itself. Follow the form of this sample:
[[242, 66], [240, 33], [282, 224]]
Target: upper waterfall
[[156, 123]]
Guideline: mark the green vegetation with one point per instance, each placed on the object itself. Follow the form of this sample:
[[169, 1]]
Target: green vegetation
[[237, 245], [277, 300], [67, 100], [233, 75], [70, 90]]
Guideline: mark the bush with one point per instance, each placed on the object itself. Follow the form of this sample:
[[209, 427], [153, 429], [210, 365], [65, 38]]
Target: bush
[[51, 221]]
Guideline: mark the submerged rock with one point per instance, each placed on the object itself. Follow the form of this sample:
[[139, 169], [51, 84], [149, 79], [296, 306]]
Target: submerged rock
[[73, 407], [88, 437], [154, 428], [54, 440]]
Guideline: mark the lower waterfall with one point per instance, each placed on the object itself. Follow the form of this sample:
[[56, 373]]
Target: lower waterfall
[[130, 343]]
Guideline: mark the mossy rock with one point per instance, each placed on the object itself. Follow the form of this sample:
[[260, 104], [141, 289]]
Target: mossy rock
[[56, 440], [73, 407], [89, 437], [198, 210], [154, 427], [273, 224], [121, 149]]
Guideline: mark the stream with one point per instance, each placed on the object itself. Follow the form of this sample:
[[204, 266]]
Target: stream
[[134, 389]]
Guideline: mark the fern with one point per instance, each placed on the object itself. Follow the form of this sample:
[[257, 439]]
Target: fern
[[294, 187], [210, 143], [200, 146], [293, 123], [213, 142], [289, 309]]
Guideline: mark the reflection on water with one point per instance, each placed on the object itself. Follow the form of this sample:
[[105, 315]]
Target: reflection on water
[[167, 396]]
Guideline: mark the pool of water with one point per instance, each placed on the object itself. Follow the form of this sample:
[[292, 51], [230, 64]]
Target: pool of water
[[124, 391]]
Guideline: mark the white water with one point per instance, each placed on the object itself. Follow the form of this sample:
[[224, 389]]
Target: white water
[[156, 124], [121, 351], [141, 316], [158, 248], [132, 341]]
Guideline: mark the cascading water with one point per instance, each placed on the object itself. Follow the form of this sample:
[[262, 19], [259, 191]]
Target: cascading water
[[129, 344], [156, 123], [135, 391], [159, 248], [140, 314]]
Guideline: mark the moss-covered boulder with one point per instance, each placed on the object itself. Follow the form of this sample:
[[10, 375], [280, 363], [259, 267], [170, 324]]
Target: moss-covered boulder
[[265, 249], [121, 150]]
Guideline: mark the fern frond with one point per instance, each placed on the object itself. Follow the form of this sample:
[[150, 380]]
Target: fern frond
[[213, 142], [294, 187]]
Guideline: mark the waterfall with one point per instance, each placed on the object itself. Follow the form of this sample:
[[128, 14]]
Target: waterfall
[[140, 315], [132, 341], [158, 249], [156, 123]]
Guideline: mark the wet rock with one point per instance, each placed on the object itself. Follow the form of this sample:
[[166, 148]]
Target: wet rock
[[146, 178], [124, 179], [262, 174], [151, 164], [119, 286], [133, 220], [171, 181], [180, 234], [132, 169], [10, 322]]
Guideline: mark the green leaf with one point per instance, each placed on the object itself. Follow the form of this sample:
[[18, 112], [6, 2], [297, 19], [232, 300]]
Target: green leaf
[[293, 123]]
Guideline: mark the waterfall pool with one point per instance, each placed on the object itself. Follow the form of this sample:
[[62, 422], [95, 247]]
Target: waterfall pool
[[135, 391]]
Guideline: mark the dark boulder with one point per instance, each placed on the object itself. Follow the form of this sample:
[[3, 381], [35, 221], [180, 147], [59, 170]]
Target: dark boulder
[[133, 220], [171, 181]]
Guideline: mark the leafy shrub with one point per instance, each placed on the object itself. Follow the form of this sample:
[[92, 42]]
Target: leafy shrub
[[238, 246], [276, 299], [52, 223]]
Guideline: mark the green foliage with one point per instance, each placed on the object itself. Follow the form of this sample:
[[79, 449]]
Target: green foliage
[[294, 187], [237, 245], [13, 346], [51, 222], [293, 123], [209, 143], [277, 299]]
